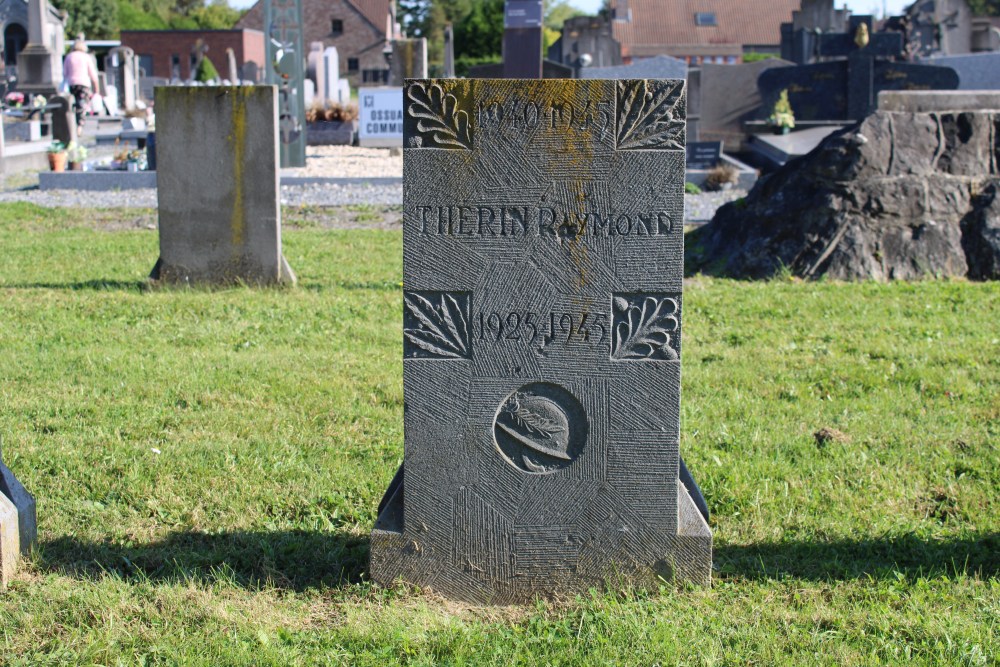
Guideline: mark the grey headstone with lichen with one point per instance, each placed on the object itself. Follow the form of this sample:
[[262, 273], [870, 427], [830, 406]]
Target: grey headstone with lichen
[[543, 268]]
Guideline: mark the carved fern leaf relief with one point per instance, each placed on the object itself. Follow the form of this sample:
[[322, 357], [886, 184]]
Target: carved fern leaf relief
[[436, 325], [440, 121], [651, 115], [646, 327]]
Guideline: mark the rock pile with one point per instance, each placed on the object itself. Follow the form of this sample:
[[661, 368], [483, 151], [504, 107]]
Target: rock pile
[[897, 196]]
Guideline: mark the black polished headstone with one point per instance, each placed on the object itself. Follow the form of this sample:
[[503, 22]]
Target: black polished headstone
[[703, 154]]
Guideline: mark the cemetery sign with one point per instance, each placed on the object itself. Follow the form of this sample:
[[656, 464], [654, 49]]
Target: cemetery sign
[[381, 116]]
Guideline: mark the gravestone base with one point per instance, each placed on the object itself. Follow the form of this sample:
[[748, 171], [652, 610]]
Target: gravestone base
[[240, 271], [684, 557], [18, 523]]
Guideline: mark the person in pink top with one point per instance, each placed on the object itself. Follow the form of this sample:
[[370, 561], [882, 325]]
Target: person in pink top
[[81, 77]]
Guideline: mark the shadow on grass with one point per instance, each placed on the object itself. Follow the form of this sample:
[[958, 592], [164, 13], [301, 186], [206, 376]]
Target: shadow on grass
[[98, 285], [881, 558], [294, 560]]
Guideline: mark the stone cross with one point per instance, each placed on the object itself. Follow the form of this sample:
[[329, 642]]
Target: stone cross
[[542, 335]]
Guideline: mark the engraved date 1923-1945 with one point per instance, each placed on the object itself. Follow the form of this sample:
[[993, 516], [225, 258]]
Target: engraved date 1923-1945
[[545, 328]]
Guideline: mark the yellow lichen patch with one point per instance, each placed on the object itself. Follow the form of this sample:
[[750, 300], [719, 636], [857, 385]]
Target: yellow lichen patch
[[238, 142]]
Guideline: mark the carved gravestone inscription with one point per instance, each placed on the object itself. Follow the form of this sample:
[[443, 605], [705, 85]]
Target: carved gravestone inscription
[[542, 332]]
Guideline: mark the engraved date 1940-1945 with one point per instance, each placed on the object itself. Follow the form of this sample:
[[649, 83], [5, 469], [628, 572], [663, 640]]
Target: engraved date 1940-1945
[[545, 328]]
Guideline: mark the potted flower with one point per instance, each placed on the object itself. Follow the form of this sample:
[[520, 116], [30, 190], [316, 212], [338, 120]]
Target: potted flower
[[14, 99], [782, 118], [76, 155], [57, 156]]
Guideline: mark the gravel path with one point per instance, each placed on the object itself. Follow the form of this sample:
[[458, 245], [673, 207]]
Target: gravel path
[[322, 162]]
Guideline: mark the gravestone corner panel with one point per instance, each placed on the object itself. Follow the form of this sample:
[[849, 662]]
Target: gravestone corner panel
[[542, 336]]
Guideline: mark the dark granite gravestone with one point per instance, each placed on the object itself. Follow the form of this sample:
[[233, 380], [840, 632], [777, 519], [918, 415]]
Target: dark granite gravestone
[[703, 154], [543, 265], [847, 89], [522, 39]]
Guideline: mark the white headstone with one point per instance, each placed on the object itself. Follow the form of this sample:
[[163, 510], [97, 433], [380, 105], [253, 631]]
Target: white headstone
[[309, 88], [331, 66]]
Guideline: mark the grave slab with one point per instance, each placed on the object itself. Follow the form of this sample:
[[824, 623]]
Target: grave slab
[[542, 291], [217, 186]]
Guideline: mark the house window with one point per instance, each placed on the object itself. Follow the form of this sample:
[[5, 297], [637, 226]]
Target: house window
[[352, 64], [705, 19], [336, 28], [375, 76], [145, 64]]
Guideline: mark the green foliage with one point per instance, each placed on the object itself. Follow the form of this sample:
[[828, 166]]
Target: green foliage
[[96, 19], [463, 63], [424, 18], [479, 33], [985, 7], [132, 17], [691, 189], [754, 56], [206, 71], [216, 16], [208, 463], [557, 12]]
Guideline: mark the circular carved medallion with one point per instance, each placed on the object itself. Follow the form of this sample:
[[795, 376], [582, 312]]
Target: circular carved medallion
[[540, 428]]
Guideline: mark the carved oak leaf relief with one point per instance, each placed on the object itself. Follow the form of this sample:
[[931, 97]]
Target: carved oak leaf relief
[[651, 115], [439, 119], [645, 327], [436, 325]]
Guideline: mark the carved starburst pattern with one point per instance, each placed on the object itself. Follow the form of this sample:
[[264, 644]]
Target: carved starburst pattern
[[651, 115]]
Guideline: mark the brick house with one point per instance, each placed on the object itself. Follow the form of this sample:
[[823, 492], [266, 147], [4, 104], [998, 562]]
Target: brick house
[[699, 31], [168, 53], [358, 28]]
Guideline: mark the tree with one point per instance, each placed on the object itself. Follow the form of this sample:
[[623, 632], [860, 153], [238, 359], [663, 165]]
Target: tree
[[206, 71], [985, 7], [557, 12], [427, 18], [480, 32], [96, 19]]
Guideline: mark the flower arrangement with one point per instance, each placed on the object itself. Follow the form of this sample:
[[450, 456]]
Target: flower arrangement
[[77, 153], [38, 101], [14, 99], [782, 115]]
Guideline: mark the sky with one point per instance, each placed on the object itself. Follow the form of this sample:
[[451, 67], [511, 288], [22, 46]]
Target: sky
[[894, 7]]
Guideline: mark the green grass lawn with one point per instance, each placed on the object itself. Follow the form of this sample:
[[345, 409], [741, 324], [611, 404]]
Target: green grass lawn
[[207, 466]]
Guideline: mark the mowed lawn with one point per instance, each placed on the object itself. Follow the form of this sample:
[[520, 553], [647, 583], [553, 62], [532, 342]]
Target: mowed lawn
[[207, 466]]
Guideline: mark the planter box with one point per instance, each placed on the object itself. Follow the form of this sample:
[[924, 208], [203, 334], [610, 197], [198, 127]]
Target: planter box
[[327, 133]]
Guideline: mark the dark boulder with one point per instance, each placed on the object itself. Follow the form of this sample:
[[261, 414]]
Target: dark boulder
[[897, 196]]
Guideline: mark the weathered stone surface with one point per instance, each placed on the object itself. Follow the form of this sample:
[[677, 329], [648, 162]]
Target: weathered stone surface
[[217, 186], [10, 542], [893, 197], [18, 525], [981, 235], [542, 229]]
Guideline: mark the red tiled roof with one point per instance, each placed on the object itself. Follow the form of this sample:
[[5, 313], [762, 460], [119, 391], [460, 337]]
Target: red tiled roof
[[661, 26], [373, 10]]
